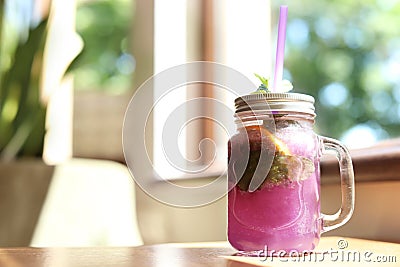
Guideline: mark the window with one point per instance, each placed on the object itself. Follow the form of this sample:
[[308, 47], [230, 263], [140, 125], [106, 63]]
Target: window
[[347, 55], [233, 33], [102, 77], [347, 60]]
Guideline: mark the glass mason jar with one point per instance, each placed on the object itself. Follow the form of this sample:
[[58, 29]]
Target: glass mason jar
[[274, 175]]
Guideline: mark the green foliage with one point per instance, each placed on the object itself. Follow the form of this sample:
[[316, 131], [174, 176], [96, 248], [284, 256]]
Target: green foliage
[[22, 114], [105, 63], [354, 46], [264, 87], [263, 80]]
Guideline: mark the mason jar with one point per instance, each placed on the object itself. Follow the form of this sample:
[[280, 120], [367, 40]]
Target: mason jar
[[274, 175]]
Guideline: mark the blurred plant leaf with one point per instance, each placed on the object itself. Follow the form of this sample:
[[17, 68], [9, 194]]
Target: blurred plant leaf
[[21, 82]]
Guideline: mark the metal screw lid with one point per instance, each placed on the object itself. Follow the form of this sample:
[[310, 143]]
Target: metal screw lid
[[281, 102]]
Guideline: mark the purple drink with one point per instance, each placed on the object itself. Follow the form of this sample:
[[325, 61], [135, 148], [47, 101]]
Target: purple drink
[[283, 213], [274, 175]]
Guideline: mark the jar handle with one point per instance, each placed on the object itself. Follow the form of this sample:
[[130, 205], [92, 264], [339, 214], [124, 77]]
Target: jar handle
[[338, 219]]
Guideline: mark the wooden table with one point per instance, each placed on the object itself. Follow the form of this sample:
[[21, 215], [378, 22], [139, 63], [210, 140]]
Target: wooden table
[[201, 254]]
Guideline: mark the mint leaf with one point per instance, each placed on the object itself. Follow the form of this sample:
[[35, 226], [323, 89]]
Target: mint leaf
[[263, 80], [285, 169]]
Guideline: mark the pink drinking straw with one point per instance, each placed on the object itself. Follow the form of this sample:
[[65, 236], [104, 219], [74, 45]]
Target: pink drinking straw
[[280, 46]]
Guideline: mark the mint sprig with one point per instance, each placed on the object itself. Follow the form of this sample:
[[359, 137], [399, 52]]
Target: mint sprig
[[285, 169], [283, 86], [263, 88], [263, 80]]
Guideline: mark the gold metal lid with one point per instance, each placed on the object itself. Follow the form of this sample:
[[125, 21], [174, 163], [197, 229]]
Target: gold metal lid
[[276, 102]]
